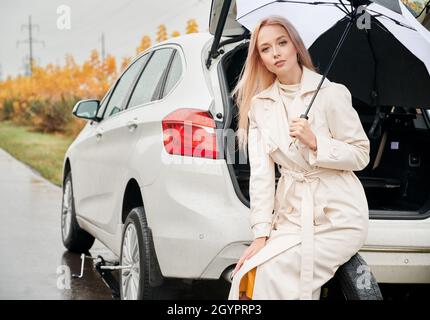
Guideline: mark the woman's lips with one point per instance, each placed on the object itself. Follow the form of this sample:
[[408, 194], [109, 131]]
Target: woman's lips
[[280, 63]]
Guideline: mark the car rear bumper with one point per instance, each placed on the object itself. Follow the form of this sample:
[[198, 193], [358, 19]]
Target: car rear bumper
[[390, 265]]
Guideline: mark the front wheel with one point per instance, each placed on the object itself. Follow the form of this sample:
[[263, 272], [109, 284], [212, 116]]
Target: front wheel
[[74, 238]]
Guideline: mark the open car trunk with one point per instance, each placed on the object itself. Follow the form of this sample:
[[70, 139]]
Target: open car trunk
[[397, 178]]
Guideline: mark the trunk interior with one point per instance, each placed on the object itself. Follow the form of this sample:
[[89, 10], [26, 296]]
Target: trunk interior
[[396, 178]]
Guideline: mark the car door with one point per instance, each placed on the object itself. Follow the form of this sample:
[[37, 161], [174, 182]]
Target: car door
[[103, 155], [83, 156]]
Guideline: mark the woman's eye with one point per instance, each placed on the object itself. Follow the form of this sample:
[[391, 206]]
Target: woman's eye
[[264, 50], [283, 42]]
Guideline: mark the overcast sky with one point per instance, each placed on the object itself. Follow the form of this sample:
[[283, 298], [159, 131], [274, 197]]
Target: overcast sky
[[124, 22]]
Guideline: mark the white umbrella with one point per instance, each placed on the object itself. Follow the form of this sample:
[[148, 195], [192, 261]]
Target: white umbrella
[[316, 19]]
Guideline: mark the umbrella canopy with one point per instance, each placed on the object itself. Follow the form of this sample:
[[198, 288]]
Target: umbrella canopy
[[377, 50]]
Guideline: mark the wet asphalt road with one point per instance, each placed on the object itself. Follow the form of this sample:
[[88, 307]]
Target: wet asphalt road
[[31, 249], [32, 252]]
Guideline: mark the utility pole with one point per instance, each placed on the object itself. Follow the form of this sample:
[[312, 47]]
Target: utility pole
[[30, 36], [103, 47], [30, 42]]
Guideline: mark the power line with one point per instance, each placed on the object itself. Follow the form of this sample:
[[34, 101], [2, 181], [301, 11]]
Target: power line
[[30, 40]]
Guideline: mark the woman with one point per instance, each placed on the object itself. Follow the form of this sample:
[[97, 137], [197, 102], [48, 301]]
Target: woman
[[320, 215]]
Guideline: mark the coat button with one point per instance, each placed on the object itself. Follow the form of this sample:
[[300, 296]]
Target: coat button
[[289, 209]]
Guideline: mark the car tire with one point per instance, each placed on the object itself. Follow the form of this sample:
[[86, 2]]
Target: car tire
[[143, 279], [74, 237], [356, 281]]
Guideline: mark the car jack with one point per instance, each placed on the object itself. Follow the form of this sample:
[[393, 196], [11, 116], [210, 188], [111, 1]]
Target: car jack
[[104, 268]]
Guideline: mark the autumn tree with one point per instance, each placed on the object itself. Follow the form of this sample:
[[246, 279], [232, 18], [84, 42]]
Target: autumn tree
[[161, 33], [192, 26], [175, 34], [145, 43], [124, 63]]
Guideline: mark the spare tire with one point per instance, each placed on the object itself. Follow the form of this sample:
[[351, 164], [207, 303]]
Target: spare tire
[[356, 280]]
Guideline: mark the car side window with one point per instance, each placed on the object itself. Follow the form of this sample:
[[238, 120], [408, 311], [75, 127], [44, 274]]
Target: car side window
[[149, 80], [117, 99], [175, 73]]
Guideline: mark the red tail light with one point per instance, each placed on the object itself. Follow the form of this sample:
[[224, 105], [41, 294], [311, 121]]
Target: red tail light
[[190, 132]]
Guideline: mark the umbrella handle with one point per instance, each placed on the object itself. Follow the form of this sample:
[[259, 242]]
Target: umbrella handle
[[304, 116]]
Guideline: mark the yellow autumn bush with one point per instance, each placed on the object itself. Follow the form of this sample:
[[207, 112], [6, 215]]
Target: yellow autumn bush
[[45, 100]]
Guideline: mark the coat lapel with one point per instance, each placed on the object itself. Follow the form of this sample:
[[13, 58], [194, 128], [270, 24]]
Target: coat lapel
[[275, 116]]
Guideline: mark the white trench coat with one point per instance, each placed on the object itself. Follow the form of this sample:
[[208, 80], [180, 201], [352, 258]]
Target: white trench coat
[[318, 217]]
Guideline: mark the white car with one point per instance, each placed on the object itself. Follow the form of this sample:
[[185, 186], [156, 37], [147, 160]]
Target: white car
[[152, 177]]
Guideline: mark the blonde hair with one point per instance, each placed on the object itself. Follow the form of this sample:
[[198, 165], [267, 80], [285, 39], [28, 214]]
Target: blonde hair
[[255, 77]]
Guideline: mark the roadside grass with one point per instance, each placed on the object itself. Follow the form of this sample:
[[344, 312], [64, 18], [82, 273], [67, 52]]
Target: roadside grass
[[43, 152]]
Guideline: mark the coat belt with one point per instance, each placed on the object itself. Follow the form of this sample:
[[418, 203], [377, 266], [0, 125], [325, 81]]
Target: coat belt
[[307, 221]]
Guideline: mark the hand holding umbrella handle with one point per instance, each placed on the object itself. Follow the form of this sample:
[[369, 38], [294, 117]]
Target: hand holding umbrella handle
[[303, 116]]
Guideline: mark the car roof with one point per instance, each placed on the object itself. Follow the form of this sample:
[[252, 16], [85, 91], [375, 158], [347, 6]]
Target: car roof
[[187, 42]]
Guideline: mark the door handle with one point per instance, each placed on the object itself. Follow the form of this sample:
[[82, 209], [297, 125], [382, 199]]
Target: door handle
[[132, 125], [99, 134]]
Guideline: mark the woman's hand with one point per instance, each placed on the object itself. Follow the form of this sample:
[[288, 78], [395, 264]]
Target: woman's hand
[[255, 246], [300, 129]]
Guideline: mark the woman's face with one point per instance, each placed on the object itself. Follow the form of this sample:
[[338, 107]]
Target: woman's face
[[276, 50]]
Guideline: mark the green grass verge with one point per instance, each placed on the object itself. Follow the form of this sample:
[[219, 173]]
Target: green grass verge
[[43, 152]]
